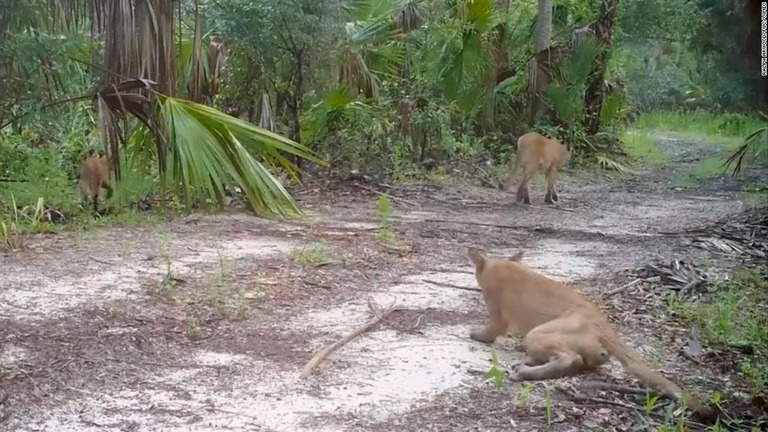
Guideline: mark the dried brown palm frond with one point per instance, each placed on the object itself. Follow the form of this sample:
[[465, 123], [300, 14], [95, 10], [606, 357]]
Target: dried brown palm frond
[[217, 57], [409, 17], [196, 80], [266, 116], [114, 103]]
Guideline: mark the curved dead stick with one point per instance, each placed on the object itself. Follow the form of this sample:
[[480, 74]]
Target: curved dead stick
[[378, 315]]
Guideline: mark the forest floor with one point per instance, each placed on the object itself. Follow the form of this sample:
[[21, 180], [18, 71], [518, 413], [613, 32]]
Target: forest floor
[[205, 323]]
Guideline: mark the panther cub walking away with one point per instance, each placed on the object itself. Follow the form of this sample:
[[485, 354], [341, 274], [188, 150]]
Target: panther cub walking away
[[93, 175], [535, 153]]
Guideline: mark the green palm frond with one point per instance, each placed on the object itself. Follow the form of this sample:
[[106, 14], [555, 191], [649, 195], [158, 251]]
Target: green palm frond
[[385, 59], [200, 149], [514, 84], [364, 10], [361, 33], [614, 108], [583, 57], [566, 94], [373, 45], [185, 64], [210, 149], [481, 14], [462, 52], [330, 113], [463, 69], [565, 101]]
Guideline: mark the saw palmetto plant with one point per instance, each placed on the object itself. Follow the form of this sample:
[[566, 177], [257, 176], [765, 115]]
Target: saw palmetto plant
[[197, 149]]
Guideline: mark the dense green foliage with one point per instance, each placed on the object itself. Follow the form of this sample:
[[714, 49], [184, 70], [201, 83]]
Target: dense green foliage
[[388, 87]]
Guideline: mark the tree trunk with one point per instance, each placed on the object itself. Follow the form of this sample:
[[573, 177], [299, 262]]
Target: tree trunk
[[544, 25], [543, 41], [294, 104], [594, 95], [750, 52]]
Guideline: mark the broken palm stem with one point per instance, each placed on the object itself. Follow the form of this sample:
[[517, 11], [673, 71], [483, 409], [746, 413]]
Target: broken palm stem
[[448, 285], [378, 315], [392, 197], [484, 177]]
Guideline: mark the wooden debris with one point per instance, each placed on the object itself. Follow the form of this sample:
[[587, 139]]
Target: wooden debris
[[745, 234], [599, 385], [677, 275], [392, 197], [629, 285], [484, 177], [448, 285], [378, 315]]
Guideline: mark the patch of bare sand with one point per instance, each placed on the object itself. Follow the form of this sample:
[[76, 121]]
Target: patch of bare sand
[[42, 286]]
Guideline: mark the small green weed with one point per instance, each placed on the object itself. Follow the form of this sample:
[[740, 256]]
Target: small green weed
[[496, 373], [385, 233], [737, 317], [11, 233], [168, 287], [228, 300], [28, 220], [525, 393], [194, 329], [312, 255]]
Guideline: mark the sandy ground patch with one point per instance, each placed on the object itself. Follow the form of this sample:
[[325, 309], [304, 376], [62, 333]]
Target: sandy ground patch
[[205, 323]]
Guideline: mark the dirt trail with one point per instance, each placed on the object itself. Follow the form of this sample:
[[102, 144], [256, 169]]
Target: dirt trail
[[205, 323]]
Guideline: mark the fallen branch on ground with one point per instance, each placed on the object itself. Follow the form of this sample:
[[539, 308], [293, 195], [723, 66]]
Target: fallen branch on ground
[[452, 271], [597, 385], [392, 197], [447, 285], [475, 223], [481, 175], [629, 285], [102, 261], [636, 409], [599, 401], [676, 275], [378, 315], [558, 208], [545, 229], [402, 251]]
